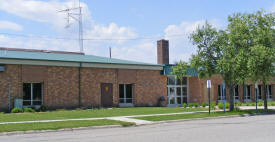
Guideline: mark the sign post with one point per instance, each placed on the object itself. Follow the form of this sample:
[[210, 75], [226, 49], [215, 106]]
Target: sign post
[[256, 95], [208, 86], [224, 95]]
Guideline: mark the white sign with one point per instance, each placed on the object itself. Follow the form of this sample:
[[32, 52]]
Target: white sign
[[208, 84]]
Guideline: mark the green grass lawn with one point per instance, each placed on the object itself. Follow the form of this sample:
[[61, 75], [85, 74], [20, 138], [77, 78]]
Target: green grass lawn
[[202, 115], [59, 125], [93, 113]]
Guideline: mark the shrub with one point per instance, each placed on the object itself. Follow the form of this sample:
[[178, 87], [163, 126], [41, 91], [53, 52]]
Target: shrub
[[196, 105], [78, 109], [253, 104], [239, 103], [184, 105], [227, 105], [29, 110], [16, 110], [190, 105], [220, 105], [204, 104], [60, 110], [247, 104], [43, 108], [260, 103], [272, 103], [213, 105]]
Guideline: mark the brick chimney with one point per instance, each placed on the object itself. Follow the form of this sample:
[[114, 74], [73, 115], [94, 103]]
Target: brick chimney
[[163, 51]]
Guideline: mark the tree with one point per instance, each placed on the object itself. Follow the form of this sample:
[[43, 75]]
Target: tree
[[262, 59], [215, 56], [235, 53], [208, 52], [180, 69]]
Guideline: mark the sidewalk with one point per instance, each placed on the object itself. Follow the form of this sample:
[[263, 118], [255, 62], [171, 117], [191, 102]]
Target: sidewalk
[[254, 107], [130, 118], [120, 118]]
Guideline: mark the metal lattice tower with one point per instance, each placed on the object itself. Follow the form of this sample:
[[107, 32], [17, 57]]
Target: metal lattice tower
[[77, 16]]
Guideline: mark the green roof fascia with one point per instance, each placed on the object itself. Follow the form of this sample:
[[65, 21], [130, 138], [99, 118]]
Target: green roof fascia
[[168, 70], [6, 54]]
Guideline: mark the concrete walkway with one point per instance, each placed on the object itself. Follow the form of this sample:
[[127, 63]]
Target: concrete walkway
[[254, 107], [129, 118], [120, 118]]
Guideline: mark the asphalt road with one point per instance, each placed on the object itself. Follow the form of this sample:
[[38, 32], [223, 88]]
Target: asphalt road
[[238, 129]]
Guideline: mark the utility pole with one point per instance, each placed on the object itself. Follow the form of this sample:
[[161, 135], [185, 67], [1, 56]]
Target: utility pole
[[77, 17]]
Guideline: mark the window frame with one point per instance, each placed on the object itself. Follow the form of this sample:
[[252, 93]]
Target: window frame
[[125, 94], [246, 98], [31, 97], [269, 92], [221, 96], [173, 96], [238, 97]]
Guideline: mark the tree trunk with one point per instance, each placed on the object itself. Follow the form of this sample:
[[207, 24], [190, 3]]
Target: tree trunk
[[244, 93], [231, 98], [265, 95]]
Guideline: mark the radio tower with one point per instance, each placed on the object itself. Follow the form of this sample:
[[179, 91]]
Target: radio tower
[[76, 14]]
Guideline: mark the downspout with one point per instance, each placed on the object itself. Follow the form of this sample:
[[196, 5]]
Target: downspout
[[79, 85]]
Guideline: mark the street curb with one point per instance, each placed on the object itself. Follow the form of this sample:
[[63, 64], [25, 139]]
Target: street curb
[[120, 126], [58, 130], [205, 118]]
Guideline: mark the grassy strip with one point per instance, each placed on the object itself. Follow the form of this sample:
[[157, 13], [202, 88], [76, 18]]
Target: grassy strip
[[59, 125], [93, 113], [202, 115]]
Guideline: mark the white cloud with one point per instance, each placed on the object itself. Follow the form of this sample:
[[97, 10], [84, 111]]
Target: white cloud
[[7, 25], [40, 11], [142, 52], [178, 35], [46, 12], [113, 31], [35, 43]]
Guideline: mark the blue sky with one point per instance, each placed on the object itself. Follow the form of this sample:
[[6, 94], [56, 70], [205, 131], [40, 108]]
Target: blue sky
[[146, 21]]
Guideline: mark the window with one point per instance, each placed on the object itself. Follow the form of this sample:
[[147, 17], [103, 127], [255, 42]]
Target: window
[[221, 94], [171, 80], [259, 92], [125, 93], [247, 92], [236, 93], [269, 91], [32, 94], [2, 68], [177, 90]]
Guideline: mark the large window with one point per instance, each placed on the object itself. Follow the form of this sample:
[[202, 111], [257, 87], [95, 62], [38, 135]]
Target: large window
[[259, 92], [247, 94], [125, 93], [236, 93], [221, 93], [177, 90], [269, 92], [32, 94]]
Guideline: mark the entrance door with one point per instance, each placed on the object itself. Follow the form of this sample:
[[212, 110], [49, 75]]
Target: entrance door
[[107, 94]]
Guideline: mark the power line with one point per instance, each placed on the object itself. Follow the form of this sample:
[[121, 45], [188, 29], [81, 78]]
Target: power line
[[98, 39]]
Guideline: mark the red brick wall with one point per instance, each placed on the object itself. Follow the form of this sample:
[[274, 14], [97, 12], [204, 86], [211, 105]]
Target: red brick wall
[[91, 80], [61, 87], [10, 76], [149, 87]]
